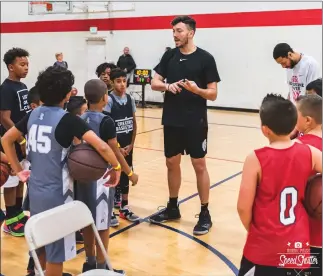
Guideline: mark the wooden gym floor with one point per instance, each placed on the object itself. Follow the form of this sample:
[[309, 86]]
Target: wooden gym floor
[[142, 249]]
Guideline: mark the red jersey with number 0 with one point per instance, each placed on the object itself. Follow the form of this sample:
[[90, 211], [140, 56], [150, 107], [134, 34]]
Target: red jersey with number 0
[[279, 230], [315, 225]]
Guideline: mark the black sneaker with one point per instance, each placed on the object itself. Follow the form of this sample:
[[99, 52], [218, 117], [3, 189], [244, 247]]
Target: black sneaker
[[170, 213], [87, 267], [204, 223]]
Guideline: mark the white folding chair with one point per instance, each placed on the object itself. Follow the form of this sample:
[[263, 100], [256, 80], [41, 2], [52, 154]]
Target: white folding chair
[[57, 223]]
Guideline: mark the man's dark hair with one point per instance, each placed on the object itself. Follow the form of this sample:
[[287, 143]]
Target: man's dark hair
[[188, 21], [311, 106], [74, 104], [33, 96], [102, 67], [10, 56], [281, 50], [315, 85], [94, 91], [117, 73], [278, 114], [54, 84]]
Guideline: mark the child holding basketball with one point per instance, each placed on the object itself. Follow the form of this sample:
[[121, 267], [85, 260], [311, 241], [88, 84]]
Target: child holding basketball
[[50, 132], [96, 95], [122, 108], [271, 193], [310, 124]]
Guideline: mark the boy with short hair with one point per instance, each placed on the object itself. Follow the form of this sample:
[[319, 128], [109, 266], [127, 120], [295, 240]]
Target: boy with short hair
[[310, 124], [271, 193], [314, 87], [122, 109], [13, 107], [51, 130], [76, 105], [97, 197]]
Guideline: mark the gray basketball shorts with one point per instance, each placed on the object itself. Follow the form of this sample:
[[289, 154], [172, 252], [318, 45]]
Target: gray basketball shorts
[[99, 199], [65, 248]]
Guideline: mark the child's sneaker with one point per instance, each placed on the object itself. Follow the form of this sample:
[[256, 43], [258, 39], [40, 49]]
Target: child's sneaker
[[126, 213], [14, 227], [88, 267], [114, 221]]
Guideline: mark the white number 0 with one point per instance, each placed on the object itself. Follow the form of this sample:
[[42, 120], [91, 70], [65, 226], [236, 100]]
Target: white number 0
[[37, 139], [290, 219]]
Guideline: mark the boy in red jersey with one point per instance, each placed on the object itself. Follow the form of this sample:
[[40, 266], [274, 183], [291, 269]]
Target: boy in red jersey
[[310, 124], [271, 194]]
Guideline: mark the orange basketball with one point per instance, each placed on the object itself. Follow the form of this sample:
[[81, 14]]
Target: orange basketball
[[313, 197], [4, 174]]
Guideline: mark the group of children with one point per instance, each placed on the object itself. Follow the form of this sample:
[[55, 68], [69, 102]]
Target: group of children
[[98, 118], [282, 239], [273, 179]]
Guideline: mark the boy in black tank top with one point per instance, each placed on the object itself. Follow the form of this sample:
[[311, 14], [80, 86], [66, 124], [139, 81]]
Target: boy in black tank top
[[121, 108]]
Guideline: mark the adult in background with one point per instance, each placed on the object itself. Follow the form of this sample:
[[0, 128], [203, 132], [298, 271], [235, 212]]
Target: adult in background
[[126, 63], [301, 69], [192, 78], [60, 60], [13, 107]]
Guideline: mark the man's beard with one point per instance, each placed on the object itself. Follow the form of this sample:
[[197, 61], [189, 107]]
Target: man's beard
[[185, 42], [292, 63]]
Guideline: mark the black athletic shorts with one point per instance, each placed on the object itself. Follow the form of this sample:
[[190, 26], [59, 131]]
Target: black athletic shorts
[[180, 140], [248, 268]]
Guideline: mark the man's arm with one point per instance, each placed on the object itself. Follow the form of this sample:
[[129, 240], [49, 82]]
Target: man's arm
[[158, 84], [210, 93], [248, 187]]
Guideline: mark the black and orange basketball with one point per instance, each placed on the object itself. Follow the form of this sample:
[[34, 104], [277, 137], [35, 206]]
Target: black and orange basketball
[[5, 171], [313, 197], [85, 164]]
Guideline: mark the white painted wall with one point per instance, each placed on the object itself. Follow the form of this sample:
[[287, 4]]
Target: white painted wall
[[243, 55]]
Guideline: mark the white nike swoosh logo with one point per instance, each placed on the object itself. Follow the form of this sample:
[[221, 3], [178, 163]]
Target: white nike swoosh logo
[[182, 59]]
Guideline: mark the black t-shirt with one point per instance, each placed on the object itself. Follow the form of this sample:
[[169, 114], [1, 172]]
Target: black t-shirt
[[107, 128], [187, 109], [70, 126], [13, 97]]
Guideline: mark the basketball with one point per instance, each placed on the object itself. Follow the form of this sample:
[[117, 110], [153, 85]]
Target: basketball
[[5, 171], [85, 164], [313, 197]]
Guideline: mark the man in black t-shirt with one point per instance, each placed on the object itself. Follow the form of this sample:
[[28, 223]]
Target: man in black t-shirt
[[13, 107], [191, 79]]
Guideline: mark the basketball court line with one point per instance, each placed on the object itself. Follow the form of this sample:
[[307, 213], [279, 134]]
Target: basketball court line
[[242, 126], [147, 131], [207, 157], [223, 258], [209, 247]]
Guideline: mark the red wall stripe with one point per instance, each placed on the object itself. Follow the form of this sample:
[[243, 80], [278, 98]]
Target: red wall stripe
[[215, 20]]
